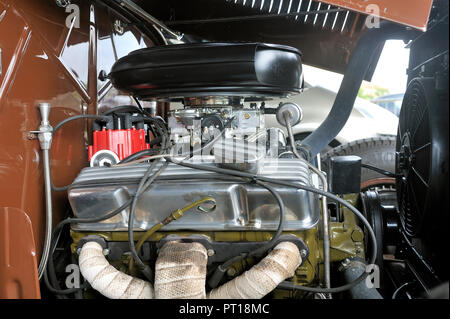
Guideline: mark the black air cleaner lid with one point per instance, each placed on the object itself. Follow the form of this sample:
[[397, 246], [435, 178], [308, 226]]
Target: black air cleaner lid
[[200, 69]]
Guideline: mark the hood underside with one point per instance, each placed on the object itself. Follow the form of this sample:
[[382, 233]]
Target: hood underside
[[326, 32]]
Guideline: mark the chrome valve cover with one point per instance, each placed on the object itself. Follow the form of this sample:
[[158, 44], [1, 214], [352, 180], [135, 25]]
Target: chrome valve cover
[[240, 206]]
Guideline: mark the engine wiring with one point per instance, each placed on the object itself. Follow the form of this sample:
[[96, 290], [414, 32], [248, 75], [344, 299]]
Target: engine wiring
[[221, 269], [50, 267], [65, 121], [164, 145], [124, 163], [145, 182], [132, 157], [379, 170], [326, 232], [262, 181], [141, 160], [80, 117], [400, 288], [145, 269], [356, 212], [173, 216], [163, 137]]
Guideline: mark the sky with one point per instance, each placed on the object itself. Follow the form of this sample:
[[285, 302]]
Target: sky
[[390, 72]]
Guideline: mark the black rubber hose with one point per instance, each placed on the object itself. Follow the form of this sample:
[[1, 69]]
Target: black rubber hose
[[397, 291], [50, 263], [157, 140], [137, 155], [361, 290], [140, 106], [282, 221], [163, 138], [57, 188], [135, 256], [59, 291], [52, 282], [143, 184], [92, 220], [59, 228], [105, 118], [126, 108], [161, 128], [353, 77], [65, 121], [51, 273], [379, 170]]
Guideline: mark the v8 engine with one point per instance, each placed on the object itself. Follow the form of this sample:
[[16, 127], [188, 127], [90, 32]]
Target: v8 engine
[[208, 203]]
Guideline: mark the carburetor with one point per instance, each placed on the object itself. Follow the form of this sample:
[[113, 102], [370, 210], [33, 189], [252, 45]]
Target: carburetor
[[204, 119]]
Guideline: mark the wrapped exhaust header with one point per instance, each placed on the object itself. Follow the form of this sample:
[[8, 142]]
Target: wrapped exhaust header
[[180, 272], [106, 279], [264, 277]]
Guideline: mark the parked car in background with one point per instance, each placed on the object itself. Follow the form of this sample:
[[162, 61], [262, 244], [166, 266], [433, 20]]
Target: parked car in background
[[367, 120], [391, 102]]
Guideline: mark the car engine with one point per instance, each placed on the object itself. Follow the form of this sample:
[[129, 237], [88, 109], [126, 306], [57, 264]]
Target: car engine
[[200, 182]]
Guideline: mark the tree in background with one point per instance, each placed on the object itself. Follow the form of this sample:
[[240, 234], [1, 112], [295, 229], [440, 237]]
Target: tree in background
[[370, 91]]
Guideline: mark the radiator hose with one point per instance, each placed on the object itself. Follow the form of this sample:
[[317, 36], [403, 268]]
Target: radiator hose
[[357, 68]]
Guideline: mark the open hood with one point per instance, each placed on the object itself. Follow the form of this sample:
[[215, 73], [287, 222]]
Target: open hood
[[326, 32]]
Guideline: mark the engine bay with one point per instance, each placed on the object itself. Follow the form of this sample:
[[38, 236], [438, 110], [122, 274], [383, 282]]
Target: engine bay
[[193, 183], [204, 180]]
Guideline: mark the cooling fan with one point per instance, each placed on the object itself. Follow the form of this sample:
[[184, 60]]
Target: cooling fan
[[422, 159]]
